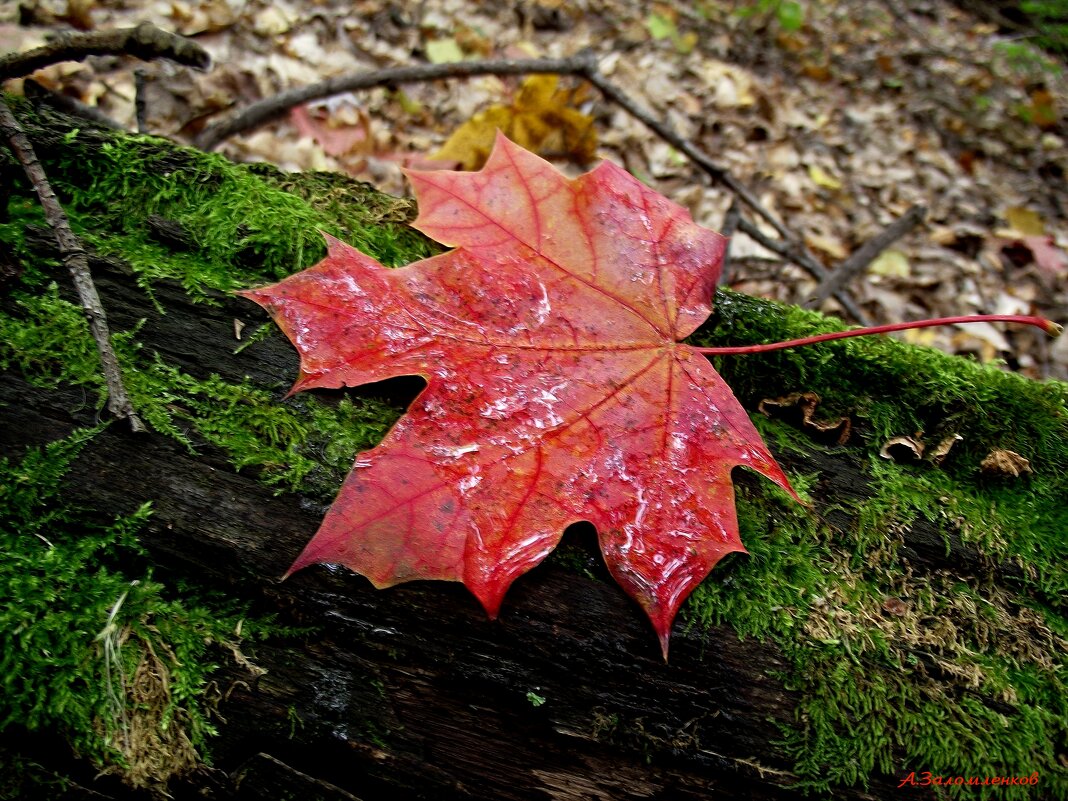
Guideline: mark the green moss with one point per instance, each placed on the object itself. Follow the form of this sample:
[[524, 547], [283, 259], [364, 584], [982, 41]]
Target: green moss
[[304, 442], [47, 340], [900, 671], [241, 225], [86, 625], [91, 645], [766, 592]]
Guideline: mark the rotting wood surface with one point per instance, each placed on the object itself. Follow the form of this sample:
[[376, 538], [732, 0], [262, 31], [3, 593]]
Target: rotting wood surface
[[412, 692]]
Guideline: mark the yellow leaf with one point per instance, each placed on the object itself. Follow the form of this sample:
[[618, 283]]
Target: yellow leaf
[[920, 336], [1025, 221], [821, 178], [890, 264], [685, 43], [443, 51], [661, 26], [830, 245], [408, 104], [541, 118]]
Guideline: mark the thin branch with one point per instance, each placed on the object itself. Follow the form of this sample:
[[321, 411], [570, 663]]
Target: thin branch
[[858, 261], [814, 267], [697, 156], [73, 255], [140, 104], [277, 105], [146, 42], [791, 246], [730, 223]]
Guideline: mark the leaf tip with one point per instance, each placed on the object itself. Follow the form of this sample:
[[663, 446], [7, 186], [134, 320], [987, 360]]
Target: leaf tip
[[249, 294], [662, 618], [491, 600], [665, 641], [333, 244]]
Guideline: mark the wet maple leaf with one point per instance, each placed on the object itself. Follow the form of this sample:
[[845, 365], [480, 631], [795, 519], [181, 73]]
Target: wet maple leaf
[[557, 389]]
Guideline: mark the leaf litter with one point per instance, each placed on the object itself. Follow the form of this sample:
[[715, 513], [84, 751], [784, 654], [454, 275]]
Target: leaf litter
[[841, 115]]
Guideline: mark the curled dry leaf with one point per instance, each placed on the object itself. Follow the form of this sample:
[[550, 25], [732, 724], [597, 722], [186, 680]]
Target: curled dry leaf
[[1005, 463], [800, 407], [906, 450], [902, 449], [942, 449], [895, 606]]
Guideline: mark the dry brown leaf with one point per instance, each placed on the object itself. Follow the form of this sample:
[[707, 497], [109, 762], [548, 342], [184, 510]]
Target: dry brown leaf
[[1005, 463], [830, 245], [938, 455], [542, 118]]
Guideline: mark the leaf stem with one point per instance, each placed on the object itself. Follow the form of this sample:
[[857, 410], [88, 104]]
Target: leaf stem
[[1048, 326]]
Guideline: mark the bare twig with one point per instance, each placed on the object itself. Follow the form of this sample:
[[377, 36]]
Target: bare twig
[[272, 107], [791, 247], [140, 106], [856, 263], [145, 42], [814, 267], [697, 156], [730, 223], [73, 255]]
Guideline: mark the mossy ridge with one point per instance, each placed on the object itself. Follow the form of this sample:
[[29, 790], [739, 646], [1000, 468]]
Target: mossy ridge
[[303, 442], [120, 666], [893, 389], [245, 225], [896, 671], [954, 675]]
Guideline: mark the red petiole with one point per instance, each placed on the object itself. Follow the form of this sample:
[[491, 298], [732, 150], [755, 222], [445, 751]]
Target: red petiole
[[1048, 326]]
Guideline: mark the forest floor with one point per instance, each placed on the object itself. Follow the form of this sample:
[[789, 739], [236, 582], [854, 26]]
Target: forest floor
[[840, 116]]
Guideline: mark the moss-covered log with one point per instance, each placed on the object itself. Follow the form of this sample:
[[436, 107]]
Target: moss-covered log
[[910, 620]]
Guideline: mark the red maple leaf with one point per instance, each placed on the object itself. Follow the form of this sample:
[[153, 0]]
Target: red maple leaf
[[557, 390]]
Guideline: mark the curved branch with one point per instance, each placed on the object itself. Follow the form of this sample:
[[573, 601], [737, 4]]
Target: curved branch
[[272, 107], [836, 280], [73, 256], [146, 42], [583, 64]]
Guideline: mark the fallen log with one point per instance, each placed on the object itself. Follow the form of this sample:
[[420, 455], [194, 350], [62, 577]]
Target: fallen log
[[876, 636]]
